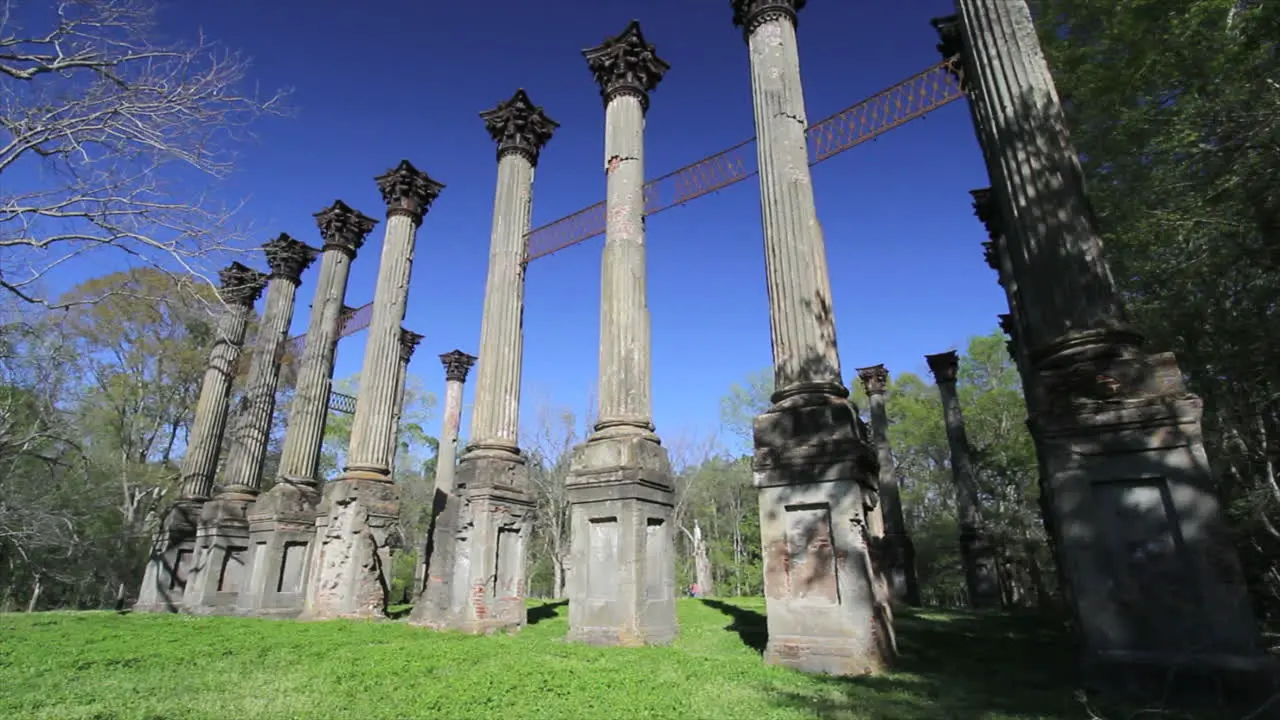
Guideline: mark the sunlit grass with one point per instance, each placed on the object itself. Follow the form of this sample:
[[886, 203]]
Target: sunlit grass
[[103, 666]]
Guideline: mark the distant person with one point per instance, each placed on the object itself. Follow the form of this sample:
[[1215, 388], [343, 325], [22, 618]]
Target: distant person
[[695, 590]]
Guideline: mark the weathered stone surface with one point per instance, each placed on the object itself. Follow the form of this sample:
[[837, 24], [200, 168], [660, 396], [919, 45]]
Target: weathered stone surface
[[173, 553], [813, 463], [351, 567], [281, 532], [476, 580], [622, 584], [1155, 583], [897, 553], [981, 578]]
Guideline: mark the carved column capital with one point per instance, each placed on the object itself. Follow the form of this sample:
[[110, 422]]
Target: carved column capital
[[1007, 326], [751, 14], [408, 343], [944, 366], [626, 65], [288, 258], [456, 365], [519, 126], [951, 45], [874, 379], [408, 191], [240, 285], [343, 228]]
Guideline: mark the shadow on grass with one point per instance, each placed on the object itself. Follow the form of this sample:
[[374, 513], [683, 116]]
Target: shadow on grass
[[950, 665], [395, 612], [545, 611], [750, 625]]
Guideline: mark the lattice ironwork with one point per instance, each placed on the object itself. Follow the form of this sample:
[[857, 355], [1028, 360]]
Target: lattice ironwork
[[912, 98], [342, 403], [351, 321]]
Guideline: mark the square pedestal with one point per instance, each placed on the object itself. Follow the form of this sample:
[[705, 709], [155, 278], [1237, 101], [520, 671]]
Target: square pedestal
[[351, 564], [812, 468], [282, 529], [173, 554], [1142, 540], [476, 571], [223, 558], [621, 585]]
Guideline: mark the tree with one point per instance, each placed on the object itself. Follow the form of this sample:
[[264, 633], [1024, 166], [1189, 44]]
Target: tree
[[549, 442], [104, 130], [1175, 109]]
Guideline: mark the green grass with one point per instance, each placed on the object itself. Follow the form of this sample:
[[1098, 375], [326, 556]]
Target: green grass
[[103, 666]]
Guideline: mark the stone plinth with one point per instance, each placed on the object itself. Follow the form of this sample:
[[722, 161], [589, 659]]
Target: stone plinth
[[622, 585], [174, 553], [812, 471], [1157, 588], [476, 575], [351, 561], [282, 527]]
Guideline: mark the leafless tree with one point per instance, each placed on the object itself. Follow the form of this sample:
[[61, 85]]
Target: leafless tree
[[554, 434], [110, 140]]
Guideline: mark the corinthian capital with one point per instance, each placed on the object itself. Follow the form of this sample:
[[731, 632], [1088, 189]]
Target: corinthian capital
[[408, 343], [519, 126], [240, 285], [944, 366], [626, 65], [751, 14], [874, 379], [456, 365], [408, 191], [288, 258], [343, 228]]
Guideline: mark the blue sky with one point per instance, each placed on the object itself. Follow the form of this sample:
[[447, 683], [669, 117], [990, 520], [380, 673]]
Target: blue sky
[[382, 80]]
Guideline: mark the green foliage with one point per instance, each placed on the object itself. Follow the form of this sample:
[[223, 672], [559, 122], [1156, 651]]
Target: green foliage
[[953, 665], [1175, 109]]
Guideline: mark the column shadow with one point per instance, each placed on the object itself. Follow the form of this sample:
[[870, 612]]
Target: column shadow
[[751, 626], [545, 611]]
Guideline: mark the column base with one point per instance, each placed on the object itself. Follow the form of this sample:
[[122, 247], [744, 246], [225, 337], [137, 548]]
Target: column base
[[982, 577], [900, 568], [621, 585], [812, 467], [1154, 581], [351, 557], [281, 533], [224, 557], [173, 554], [476, 571]]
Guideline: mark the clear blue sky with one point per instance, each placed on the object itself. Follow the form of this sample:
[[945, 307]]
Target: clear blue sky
[[382, 80]]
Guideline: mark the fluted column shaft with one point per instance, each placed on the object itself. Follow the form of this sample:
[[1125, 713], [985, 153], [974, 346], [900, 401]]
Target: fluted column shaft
[[376, 401], [243, 473], [309, 409], [205, 439], [625, 383], [890, 500], [800, 311], [446, 461], [967, 502], [1050, 227], [495, 420], [408, 342]]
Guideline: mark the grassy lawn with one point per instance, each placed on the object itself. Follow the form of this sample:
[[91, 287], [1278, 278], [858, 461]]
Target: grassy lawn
[[99, 665]]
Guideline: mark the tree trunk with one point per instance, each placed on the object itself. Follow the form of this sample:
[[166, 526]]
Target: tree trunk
[[1037, 578], [557, 575], [702, 563], [36, 587]]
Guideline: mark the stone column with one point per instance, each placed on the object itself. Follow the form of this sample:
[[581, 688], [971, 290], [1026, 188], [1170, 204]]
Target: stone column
[[223, 558], [899, 552], [282, 520], [495, 513], [408, 343], [981, 579], [622, 547], [456, 366], [351, 574], [1119, 436], [173, 551], [812, 467]]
